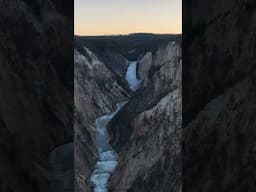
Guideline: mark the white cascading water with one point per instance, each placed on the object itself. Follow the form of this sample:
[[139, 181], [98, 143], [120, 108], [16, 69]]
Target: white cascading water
[[108, 158], [131, 76]]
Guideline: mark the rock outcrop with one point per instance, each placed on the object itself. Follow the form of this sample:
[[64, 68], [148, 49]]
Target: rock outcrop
[[96, 93], [147, 131]]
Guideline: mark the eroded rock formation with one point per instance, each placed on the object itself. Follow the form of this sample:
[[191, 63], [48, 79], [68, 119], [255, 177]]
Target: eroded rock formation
[[147, 131], [96, 93]]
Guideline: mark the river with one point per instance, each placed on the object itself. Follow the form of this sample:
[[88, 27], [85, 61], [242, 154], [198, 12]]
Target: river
[[108, 158]]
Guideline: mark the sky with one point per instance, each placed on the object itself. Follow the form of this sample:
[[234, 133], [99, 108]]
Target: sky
[[114, 17]]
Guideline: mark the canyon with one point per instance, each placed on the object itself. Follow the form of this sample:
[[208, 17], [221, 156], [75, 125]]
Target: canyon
[[96, 93], [57, 92], [145, 133]]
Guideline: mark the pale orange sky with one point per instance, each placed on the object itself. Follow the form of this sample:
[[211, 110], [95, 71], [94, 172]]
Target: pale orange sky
[[104, 17]]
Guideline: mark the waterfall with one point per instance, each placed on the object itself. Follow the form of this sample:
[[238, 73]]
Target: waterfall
[[108, 158], [131, 76]]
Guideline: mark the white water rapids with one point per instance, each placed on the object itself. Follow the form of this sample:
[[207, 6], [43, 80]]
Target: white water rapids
[[108, 158]]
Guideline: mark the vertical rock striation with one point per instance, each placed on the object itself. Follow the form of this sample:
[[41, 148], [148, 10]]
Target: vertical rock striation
[[96, 93], [147, 131]]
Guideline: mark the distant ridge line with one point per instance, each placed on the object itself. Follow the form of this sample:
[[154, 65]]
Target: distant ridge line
[[131, 34]]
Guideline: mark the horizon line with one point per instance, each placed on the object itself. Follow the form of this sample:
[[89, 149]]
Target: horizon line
[[125, 34]]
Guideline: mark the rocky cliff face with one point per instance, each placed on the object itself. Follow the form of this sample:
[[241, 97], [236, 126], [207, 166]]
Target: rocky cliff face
[[219, 76], [36, 97], [96, 93], [147, 131]]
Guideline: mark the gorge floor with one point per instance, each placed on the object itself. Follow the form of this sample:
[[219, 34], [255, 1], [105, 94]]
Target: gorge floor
[[108, 158]]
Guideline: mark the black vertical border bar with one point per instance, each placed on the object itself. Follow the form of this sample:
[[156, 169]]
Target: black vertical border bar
[[36, 95], [219, 79]]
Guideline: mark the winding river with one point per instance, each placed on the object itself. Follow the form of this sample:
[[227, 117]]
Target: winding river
[[108, 158]]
